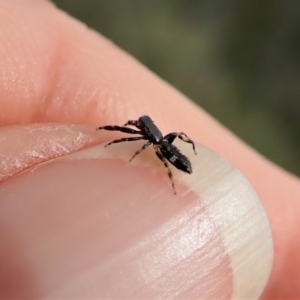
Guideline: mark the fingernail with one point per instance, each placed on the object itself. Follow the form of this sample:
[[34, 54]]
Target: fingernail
[[91, 224]]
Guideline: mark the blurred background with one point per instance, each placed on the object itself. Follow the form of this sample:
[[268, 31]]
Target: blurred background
[[238, 59]]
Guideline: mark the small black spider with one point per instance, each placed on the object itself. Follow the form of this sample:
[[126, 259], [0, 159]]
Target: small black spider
[[163, 146]]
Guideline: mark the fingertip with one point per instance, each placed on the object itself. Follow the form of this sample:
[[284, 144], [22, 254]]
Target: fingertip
[[211, 239], [229, 200]]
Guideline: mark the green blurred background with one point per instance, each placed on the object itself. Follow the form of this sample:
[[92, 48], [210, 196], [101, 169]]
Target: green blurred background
[[238, 59]]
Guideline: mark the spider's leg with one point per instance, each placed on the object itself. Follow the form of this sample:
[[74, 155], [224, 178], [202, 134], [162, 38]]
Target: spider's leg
[[171, 137], [119, 128], [132, 123], [128, 139], [139, 151], [164, 160]]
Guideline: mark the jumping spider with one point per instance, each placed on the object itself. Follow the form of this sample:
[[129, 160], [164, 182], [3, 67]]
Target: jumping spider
[[164, 149]]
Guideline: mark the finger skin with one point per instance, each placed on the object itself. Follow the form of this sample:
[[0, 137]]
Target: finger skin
[[55, 69]]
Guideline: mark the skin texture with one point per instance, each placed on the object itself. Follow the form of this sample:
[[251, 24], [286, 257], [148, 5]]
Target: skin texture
[[55, 69]]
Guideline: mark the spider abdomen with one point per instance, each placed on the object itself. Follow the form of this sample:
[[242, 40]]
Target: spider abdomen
[[175, 157]]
